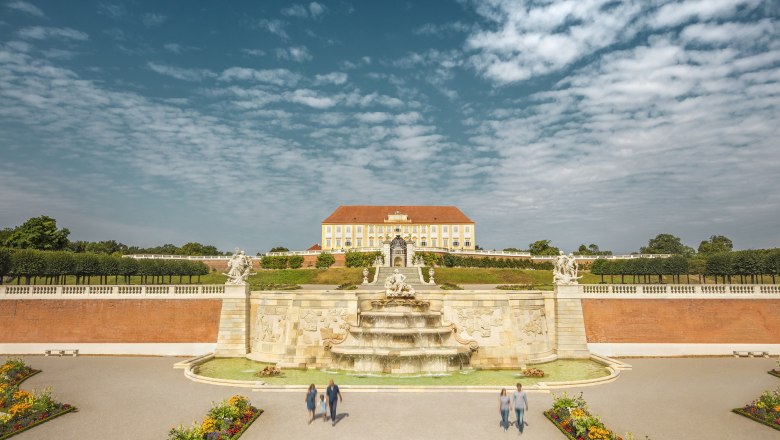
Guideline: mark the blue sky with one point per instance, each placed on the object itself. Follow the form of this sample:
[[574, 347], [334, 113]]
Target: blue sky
[[246, 123]]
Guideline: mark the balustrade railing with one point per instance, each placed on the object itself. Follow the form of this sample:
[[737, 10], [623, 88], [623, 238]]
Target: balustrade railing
[[681, 289], [125, 291]]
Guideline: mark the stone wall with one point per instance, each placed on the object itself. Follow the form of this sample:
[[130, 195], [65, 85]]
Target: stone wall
[[702, 321], [109, 321]]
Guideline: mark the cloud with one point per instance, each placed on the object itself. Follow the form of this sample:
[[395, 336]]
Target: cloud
[[275, 27], [111, 10], [312, 99], [45, 33], [254, 52], [337, 78], [299, 11], [279, 77], [725, 33], [316, 9], [25, 7], [536, 39], [298, 54], [444, 29], [181, 73], [173, 47], [679, 12], [151, 19]]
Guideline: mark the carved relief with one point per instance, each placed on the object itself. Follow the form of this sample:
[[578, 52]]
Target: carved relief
[[270, 323], [321, 325], [532, 324], [478, 320]]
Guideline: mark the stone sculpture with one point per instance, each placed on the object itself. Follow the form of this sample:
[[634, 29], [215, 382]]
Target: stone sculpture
[[430, 276], [239, 268], [396, 287], [565, 270], [365, 275]]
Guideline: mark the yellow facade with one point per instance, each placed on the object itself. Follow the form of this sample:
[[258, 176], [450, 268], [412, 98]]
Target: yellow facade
[[425, 235]]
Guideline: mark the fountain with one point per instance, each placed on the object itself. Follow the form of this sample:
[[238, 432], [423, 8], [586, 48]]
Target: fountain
[[400, 334]]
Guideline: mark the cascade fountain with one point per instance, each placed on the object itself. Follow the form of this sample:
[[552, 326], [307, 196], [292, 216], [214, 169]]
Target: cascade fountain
[[400, 334]]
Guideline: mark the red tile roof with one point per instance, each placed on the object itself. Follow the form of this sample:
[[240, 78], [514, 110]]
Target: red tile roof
[[315, 247], [378, 214]]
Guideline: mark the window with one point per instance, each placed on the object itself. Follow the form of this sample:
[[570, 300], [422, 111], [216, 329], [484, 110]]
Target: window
[[328, 229], [444, 229], [347, 243], [467, 243], [468, 228], [370, 242], [338, 242], [359, 229], [359, 242], [398, 229], [423, 229], [455, 243], [433, 228], [338, 229], [444, 242], [414, 229], [433, 242], [370, 229], [423, 243], [327, 243], [406, 229], [454, 229], [348, 229]]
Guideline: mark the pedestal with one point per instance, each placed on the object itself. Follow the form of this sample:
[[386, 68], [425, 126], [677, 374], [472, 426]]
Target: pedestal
[[233, 337]]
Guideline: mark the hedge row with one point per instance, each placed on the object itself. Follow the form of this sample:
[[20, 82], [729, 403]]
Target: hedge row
[[450, 260], [282, 262], [54, 266], [748, 265]]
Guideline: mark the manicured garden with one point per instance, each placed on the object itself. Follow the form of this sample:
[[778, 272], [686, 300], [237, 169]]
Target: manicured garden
[[571, 416], [21, 410], [765, 409], [226, 420], [538, 279]]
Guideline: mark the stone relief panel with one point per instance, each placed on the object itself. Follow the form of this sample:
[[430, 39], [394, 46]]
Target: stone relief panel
[[270, 323], [477, 322], [532, 325], [317, 325]]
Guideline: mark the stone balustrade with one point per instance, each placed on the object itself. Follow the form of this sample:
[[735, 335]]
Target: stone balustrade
[[677, 290], [196, 291]]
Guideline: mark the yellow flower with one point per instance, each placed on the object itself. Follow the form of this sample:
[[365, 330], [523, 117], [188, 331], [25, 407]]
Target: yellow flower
[[577, 413], [18, 409], [208, 425], [777, 408], [760, 405], [22, 396], [237, 400]]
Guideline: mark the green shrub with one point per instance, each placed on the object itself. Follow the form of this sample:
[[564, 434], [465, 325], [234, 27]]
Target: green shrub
[[325, 260], [295, 261]]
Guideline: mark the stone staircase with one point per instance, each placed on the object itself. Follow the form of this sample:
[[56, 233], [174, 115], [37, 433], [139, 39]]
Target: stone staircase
[[412, 276]]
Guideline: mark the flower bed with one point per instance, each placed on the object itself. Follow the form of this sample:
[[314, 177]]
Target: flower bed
[[21, 410], [226, 420], [571, 416], [765, 409]]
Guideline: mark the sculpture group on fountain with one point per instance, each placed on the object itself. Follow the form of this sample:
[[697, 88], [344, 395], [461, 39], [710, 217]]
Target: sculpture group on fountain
[[396, 287]]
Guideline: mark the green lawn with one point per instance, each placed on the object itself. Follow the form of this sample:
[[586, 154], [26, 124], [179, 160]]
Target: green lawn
[[540, 279]]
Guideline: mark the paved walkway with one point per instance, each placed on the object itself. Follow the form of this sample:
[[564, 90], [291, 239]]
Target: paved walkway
[[142, 398]]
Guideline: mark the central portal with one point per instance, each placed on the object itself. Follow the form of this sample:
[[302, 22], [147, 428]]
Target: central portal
[[398, 252]]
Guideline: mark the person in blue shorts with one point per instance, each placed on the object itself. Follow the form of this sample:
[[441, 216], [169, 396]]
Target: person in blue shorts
[[311, 400]]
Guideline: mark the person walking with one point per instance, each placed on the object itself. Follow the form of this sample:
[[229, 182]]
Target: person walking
[[504, 405], [334, 396], [520, 402], [311, 400]]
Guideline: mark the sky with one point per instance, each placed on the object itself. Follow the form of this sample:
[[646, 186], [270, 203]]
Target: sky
[[245, 124]]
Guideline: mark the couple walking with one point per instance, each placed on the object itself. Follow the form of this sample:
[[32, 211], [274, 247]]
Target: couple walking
[[333, 395], [518, 401]]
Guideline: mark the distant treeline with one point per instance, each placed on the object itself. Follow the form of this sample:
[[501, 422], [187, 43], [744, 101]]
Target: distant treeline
[[54, 266], [748, 265]]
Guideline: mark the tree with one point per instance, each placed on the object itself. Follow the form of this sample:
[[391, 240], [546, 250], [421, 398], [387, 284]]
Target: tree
[[295, 261], [5, 263], [748, 263], [325, 260], [599, 267], [279, 249], [542, 247], [39, 233], [772, 263], [195, 248], [716, 243], [721, 264], [675, 265], [666, 244], [27, 263]]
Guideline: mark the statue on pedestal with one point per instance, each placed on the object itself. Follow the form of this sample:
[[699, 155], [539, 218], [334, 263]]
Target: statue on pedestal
[[239, 268], [565, 270], [396, 287], [365, 275], [430, 276]]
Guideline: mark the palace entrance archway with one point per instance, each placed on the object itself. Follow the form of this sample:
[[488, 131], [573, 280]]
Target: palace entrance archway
[[398, 252]]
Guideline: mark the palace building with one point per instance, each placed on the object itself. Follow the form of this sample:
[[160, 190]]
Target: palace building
[[362, 226]]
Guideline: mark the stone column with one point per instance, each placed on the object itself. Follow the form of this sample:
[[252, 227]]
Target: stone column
[[233, 337], [571, 341], [410, 254]]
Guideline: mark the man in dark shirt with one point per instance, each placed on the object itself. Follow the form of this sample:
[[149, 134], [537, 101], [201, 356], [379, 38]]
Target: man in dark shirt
[[334, 396]]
